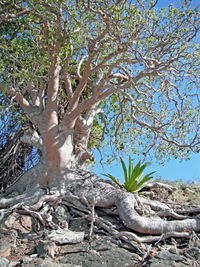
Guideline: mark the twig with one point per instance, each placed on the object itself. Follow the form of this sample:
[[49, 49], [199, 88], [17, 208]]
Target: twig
[[146, 255]]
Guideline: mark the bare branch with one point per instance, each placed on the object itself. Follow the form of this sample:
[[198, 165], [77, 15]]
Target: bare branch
[[31, 137], [10, 17], [53, 86], [68, 86]]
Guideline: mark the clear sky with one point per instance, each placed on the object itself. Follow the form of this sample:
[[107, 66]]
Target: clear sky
[[174, 169], [165, 3]]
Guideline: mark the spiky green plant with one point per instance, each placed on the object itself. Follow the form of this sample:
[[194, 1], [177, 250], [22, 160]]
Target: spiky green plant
[[134, 179]]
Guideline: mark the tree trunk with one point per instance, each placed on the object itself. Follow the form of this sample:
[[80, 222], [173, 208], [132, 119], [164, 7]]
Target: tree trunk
[[61, 150], [58, 155]]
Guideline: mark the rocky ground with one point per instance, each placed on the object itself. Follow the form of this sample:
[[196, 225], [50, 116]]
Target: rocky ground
[[25, 242]]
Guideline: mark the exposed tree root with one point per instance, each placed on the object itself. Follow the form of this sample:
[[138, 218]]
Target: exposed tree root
[[85, 191], [27, 181], [188, 211], [157, 185], [155, 226], [154, 238]]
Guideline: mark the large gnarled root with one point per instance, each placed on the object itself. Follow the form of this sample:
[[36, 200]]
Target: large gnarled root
[[27, 198], [83, 190], [154, 226]]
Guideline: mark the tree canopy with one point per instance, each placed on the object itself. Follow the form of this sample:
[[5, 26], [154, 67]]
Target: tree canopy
[[133, 65]]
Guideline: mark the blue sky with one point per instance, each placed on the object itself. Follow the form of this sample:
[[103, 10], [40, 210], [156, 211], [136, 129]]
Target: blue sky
[[172, 170], [187, 170], [165, 3]]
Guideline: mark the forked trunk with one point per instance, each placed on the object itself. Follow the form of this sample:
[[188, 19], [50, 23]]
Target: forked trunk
[[61, 149], [59, 156]]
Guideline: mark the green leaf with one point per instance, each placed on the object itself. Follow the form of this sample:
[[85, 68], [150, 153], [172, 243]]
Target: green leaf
[[142, 183], [134, 180], [114, 179], [124, 169]]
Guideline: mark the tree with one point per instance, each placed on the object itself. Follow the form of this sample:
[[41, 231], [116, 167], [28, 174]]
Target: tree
[[86, 72]]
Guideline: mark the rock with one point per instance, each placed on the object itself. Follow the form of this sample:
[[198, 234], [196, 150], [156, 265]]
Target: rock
[[35, 262], [4, 262], [79, 225], [5, 248], [166, 255], [98, 245], [65, 236], [14, 264], [166, 258], [7, 242], [60, 216], [194, 252], [173, 250], [102, 253], [22, 223], [68, 248], [46, 248]]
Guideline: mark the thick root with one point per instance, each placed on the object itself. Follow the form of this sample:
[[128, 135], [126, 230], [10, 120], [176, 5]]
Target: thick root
[[27, 181], [157, 185], [28, 198], [83, 191], [154, 226]]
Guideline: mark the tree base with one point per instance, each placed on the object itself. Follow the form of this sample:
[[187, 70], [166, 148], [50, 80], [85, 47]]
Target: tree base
[[87, 196]]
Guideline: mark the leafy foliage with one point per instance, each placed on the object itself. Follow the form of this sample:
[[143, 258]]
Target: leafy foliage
[[156, 110], [134, 179]]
